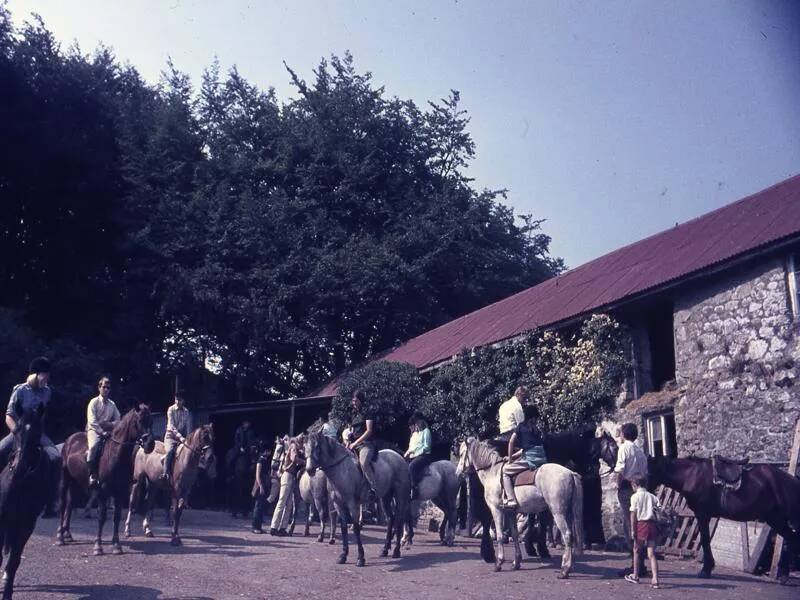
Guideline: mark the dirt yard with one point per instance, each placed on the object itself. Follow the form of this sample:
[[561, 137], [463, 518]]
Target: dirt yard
[[221, 559]]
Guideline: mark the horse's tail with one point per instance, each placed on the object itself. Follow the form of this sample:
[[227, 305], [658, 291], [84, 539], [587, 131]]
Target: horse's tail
[[577, 514]]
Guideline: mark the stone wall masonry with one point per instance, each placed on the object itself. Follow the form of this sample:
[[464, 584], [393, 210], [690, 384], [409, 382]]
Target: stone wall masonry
[[736, 355]]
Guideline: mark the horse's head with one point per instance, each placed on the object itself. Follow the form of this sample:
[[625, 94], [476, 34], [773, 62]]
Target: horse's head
[[311, 450], [205, 444], [465, 465], [28, 435], [136, 427], [605, 448], [277, 455]]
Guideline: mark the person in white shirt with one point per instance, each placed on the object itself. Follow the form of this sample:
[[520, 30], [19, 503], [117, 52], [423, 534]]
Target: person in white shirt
[[631, 465], [179, 425], [509, 417], [644, 528], [101, 417]]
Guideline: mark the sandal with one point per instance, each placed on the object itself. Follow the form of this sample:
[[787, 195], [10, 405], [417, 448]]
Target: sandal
[[631, 578]]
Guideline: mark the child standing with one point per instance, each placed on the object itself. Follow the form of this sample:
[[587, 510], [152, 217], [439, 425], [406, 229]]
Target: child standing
[[643, 528]]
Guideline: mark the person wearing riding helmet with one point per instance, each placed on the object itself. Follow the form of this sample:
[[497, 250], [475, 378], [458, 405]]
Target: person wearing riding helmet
[[25, 398], [419, 451], [362, 425]]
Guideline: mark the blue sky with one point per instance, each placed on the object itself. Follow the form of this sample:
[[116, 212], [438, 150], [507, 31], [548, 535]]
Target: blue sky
[[612, 120]]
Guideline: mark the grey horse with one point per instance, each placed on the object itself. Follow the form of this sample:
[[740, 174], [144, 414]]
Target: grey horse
[[439, 484], [557, 489], [314, 490], [349, 489]]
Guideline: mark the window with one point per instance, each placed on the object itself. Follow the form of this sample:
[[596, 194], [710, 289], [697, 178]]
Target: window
[[661, 439], [791, 280]]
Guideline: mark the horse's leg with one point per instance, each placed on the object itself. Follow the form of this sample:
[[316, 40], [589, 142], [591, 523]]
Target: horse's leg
[[387, 510], [566, 535], [791, 546], [131, 504], [150, 502], [515, 565], [360, 562], [345, 545], [102, 512], [116, 547], [401, 515], [705, 540], [63, 492], [332, 514], [16, 544], [497, 517], [176, 521]]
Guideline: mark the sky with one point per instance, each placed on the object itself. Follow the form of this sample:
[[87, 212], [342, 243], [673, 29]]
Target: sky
[[611, 120]]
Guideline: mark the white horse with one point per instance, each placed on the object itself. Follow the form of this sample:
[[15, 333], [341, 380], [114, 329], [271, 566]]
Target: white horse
[[315, 490], [439, 484], [557, 489], [350, 489]]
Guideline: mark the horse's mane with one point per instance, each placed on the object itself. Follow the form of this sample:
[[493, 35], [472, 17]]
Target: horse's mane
[[126, 426], [484, 454]]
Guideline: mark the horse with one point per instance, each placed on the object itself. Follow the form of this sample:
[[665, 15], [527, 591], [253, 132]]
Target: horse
[[24, 491], [240, 481], [557, 489], [277, 458], [762, 493], [115, 471], [439, 484], [314, 491], [196, 453], [350, 489]]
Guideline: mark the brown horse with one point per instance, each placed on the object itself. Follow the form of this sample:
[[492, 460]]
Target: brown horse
[[24, 487], [116, 472], [765, 494], [196, 453]]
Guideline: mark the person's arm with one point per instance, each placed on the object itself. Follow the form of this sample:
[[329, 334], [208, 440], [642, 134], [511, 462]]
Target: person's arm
[[412, 443], [620, 466], [11, 412], [512, 443], [364, 436], [633, 524], [427, 444], [259, 483]]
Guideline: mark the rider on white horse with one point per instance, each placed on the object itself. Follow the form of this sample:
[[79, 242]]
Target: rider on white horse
[[530, 456]]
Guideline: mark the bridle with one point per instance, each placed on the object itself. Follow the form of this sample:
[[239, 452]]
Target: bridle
[[315, 458]]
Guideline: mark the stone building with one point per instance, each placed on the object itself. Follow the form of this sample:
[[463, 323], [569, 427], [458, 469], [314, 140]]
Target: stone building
[[712, 305]]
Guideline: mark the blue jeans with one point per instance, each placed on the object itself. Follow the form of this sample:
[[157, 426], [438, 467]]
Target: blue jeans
[[258, 510]]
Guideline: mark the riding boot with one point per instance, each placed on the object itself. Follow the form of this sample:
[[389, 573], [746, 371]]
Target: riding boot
[[169, 459], [508, 488], [94, 464]]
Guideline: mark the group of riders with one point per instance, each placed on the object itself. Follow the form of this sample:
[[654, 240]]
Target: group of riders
[[520, 442]]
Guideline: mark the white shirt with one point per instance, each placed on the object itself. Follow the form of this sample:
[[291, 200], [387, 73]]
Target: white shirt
[[510, 415], [631, 461], [643, 505], [100, 411]]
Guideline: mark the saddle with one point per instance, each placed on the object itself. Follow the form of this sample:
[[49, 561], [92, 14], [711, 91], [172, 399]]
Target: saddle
[[525, 478], [728, 472]]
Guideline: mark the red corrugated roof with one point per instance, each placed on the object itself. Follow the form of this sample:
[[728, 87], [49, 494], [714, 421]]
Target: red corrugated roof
[[733, 230]]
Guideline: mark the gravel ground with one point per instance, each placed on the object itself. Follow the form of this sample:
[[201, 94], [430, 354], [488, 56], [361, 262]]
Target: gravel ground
[[221, 559]]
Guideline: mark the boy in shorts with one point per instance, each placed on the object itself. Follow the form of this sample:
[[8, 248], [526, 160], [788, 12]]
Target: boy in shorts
[[644, 529]]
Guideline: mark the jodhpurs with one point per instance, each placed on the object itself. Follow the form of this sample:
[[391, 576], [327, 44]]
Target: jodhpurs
[[283, 507], [366, 453], [417, 466], [509, 471]]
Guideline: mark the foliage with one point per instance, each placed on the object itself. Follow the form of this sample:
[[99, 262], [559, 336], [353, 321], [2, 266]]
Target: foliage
[[573, 379], [392, 390], [164, 228]]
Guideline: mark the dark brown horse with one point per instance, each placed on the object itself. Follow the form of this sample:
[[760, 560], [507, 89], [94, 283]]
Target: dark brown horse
[[23, 492], [115, 471], [766, 494]]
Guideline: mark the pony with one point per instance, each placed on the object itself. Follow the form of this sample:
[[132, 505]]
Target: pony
[[116, 473], [24, 491], [763, 493], [349, 489], [196, 453], [557, 489], [240, 481], [440, 484]]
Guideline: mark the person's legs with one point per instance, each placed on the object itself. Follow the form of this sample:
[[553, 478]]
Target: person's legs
[[6, 448], [509, 471], [365, 454], [169, 459], [289, 506], [624, 493], [280, 505], [651, 554], [415, 469], [93, 455], [258, 512]]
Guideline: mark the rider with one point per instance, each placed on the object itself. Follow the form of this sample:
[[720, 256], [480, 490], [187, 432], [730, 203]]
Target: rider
[[292, 462], [530, 455], [329, 427], [362, 425], [179, 424], [101, 416], [25, 398], [261, 486], [508, 417], [419, 451], [243, 440]]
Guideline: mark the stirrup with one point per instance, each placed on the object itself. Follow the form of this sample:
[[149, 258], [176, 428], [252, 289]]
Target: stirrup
[[510, 504]]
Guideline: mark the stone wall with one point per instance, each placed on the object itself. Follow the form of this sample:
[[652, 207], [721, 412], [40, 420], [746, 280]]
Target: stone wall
[[736, 353]]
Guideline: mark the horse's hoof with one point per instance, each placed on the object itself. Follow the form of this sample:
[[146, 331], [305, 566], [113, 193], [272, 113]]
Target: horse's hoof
[[563, 575], [98, 551], [148, 533], [60, 542], [332, 541], [384, 553], [116, 550], [703, 574], [360, 562], [320, 538], [342, 559], [396, 553], [176, 541], [68, 537], [497, 568], [515, 566]]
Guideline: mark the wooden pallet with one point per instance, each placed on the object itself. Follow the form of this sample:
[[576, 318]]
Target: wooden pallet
[[684, 539]]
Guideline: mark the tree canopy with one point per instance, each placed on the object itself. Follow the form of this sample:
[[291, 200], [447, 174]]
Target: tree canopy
[[171, 228]]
